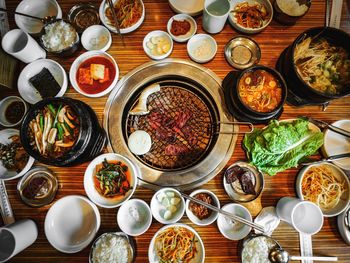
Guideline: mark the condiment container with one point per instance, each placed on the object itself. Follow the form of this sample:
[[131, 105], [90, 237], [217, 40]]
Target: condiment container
[[289, 11], [12, 111], [38, 187], [83, 16]]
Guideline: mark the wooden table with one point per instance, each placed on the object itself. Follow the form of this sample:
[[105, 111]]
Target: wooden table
[[218, 249]]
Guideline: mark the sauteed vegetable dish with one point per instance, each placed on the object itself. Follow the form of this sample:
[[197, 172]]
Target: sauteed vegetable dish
[[128, 12]]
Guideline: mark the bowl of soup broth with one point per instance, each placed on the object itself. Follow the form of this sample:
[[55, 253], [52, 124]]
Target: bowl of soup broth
[[260, 91]]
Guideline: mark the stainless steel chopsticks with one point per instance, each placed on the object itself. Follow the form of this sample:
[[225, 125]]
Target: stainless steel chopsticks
[[116, 23], [330, 158], [328, 12], [227, 214], [325, 125]]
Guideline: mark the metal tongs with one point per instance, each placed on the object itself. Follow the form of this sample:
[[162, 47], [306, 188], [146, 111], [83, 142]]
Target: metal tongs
[[115, 20], [330, 158], [324, 125]]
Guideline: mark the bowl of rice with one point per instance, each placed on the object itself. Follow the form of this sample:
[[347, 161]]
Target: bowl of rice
[[59, 37]]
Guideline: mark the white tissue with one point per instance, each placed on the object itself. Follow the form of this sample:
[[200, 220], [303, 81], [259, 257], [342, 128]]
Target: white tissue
[[268, 219]]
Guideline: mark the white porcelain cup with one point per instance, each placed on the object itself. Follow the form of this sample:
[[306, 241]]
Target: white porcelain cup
[[215, 14], [305, 216], [22, 46], [16, 237]]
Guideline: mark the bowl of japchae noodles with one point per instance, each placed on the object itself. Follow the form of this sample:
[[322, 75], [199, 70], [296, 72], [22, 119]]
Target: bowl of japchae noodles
[[318, 64], [62, 132]]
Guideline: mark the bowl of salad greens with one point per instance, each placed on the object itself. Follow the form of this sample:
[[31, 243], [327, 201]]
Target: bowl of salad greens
[[282, 144], [110, 180]]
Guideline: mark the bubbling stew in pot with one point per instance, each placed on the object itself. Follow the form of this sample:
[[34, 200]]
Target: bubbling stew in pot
[[260, 90]]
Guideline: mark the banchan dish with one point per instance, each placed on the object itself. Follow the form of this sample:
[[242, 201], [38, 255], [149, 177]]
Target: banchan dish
[[88, 137]]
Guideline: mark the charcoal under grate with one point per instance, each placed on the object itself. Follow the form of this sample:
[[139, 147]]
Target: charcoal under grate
[[180, 124]]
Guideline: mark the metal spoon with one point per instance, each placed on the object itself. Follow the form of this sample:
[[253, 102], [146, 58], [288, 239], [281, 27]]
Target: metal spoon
[[45, 20], [278, 255]]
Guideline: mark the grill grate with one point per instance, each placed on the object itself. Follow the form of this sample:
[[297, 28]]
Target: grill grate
[[180, 125]]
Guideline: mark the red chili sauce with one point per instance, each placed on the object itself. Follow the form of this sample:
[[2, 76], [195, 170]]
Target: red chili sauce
[[96, 86]]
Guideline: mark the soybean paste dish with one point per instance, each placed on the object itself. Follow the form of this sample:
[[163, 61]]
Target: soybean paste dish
[[322, 65], [54, 130]]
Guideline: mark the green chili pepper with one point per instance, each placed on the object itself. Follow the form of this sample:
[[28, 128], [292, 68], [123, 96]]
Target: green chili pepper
[[41, 122]]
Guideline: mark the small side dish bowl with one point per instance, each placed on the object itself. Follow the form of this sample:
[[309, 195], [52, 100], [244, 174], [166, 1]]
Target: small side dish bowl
[[338, 196], [91, 181], [96, 37], [94, 88], [114, 241], [167, 206], [53, 32], [212, 215], [9, 107], [41, 8], [231, 230], [72, 231], [83, 15], [26, 89], [158, 44], [202, 48], [334, 144], [266, 10], [183, 34], [134, 217], [6, 138], [107, 22]]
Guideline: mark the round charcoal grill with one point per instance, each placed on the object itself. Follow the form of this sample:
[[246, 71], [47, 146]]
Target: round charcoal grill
[[180, 124], [189, 147]]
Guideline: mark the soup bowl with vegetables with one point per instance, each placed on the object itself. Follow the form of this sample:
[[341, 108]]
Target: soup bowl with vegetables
[[62, 132], [260, 91]]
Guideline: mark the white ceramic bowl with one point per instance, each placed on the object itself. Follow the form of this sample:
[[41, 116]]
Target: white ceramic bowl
[[233, 20], [25, 88], [158, 208], [83, 57], [202, 48], [72, 223], [211, 218], [89, 185], [37, 8], [110, 24], [157, 33], [128, 223], [234, 231], [335, 143], [4, 173], [4, 104], [189, 34], [199, 256], [96, 37], [341, 176], [189, 7]]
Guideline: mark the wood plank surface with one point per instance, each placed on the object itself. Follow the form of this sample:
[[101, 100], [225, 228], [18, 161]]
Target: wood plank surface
[[272, 41]]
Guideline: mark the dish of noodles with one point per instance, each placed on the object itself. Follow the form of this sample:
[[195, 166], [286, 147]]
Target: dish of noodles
[[251, 15], [128, 13], [260, 90], [176, 243], [54, 130], [322, 65], [325, 186]]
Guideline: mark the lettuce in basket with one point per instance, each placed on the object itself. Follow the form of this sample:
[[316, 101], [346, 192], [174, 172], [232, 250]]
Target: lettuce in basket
[[281, 145]]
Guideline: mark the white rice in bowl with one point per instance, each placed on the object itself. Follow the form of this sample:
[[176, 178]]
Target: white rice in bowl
[[58, 36], [257, 250]]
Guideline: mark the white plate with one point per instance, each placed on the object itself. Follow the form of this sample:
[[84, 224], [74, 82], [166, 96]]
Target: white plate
[[89, 185], [189, 7], [199, 257], [37, 8], [128, 224], [4, 173], [109, 24], [335, 143], [72, 223], [25, 88], [81, 59]]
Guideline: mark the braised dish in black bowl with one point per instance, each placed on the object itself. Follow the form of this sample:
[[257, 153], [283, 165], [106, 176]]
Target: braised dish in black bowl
[[62, 132], [256, 94]]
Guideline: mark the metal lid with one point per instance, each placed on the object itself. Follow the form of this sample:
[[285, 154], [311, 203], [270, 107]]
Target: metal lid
[[242, 52], [83, 16], [38, 187]]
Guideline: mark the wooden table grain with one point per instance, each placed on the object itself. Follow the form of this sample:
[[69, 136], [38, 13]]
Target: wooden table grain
[[272, 41]]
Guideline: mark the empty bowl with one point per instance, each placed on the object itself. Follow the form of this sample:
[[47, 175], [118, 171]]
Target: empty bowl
[[96, 37], [158, 44], [36, 8], [72, 223], [183, 33], [134, 217], [234, 230], [201, 48], [12, 111]]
